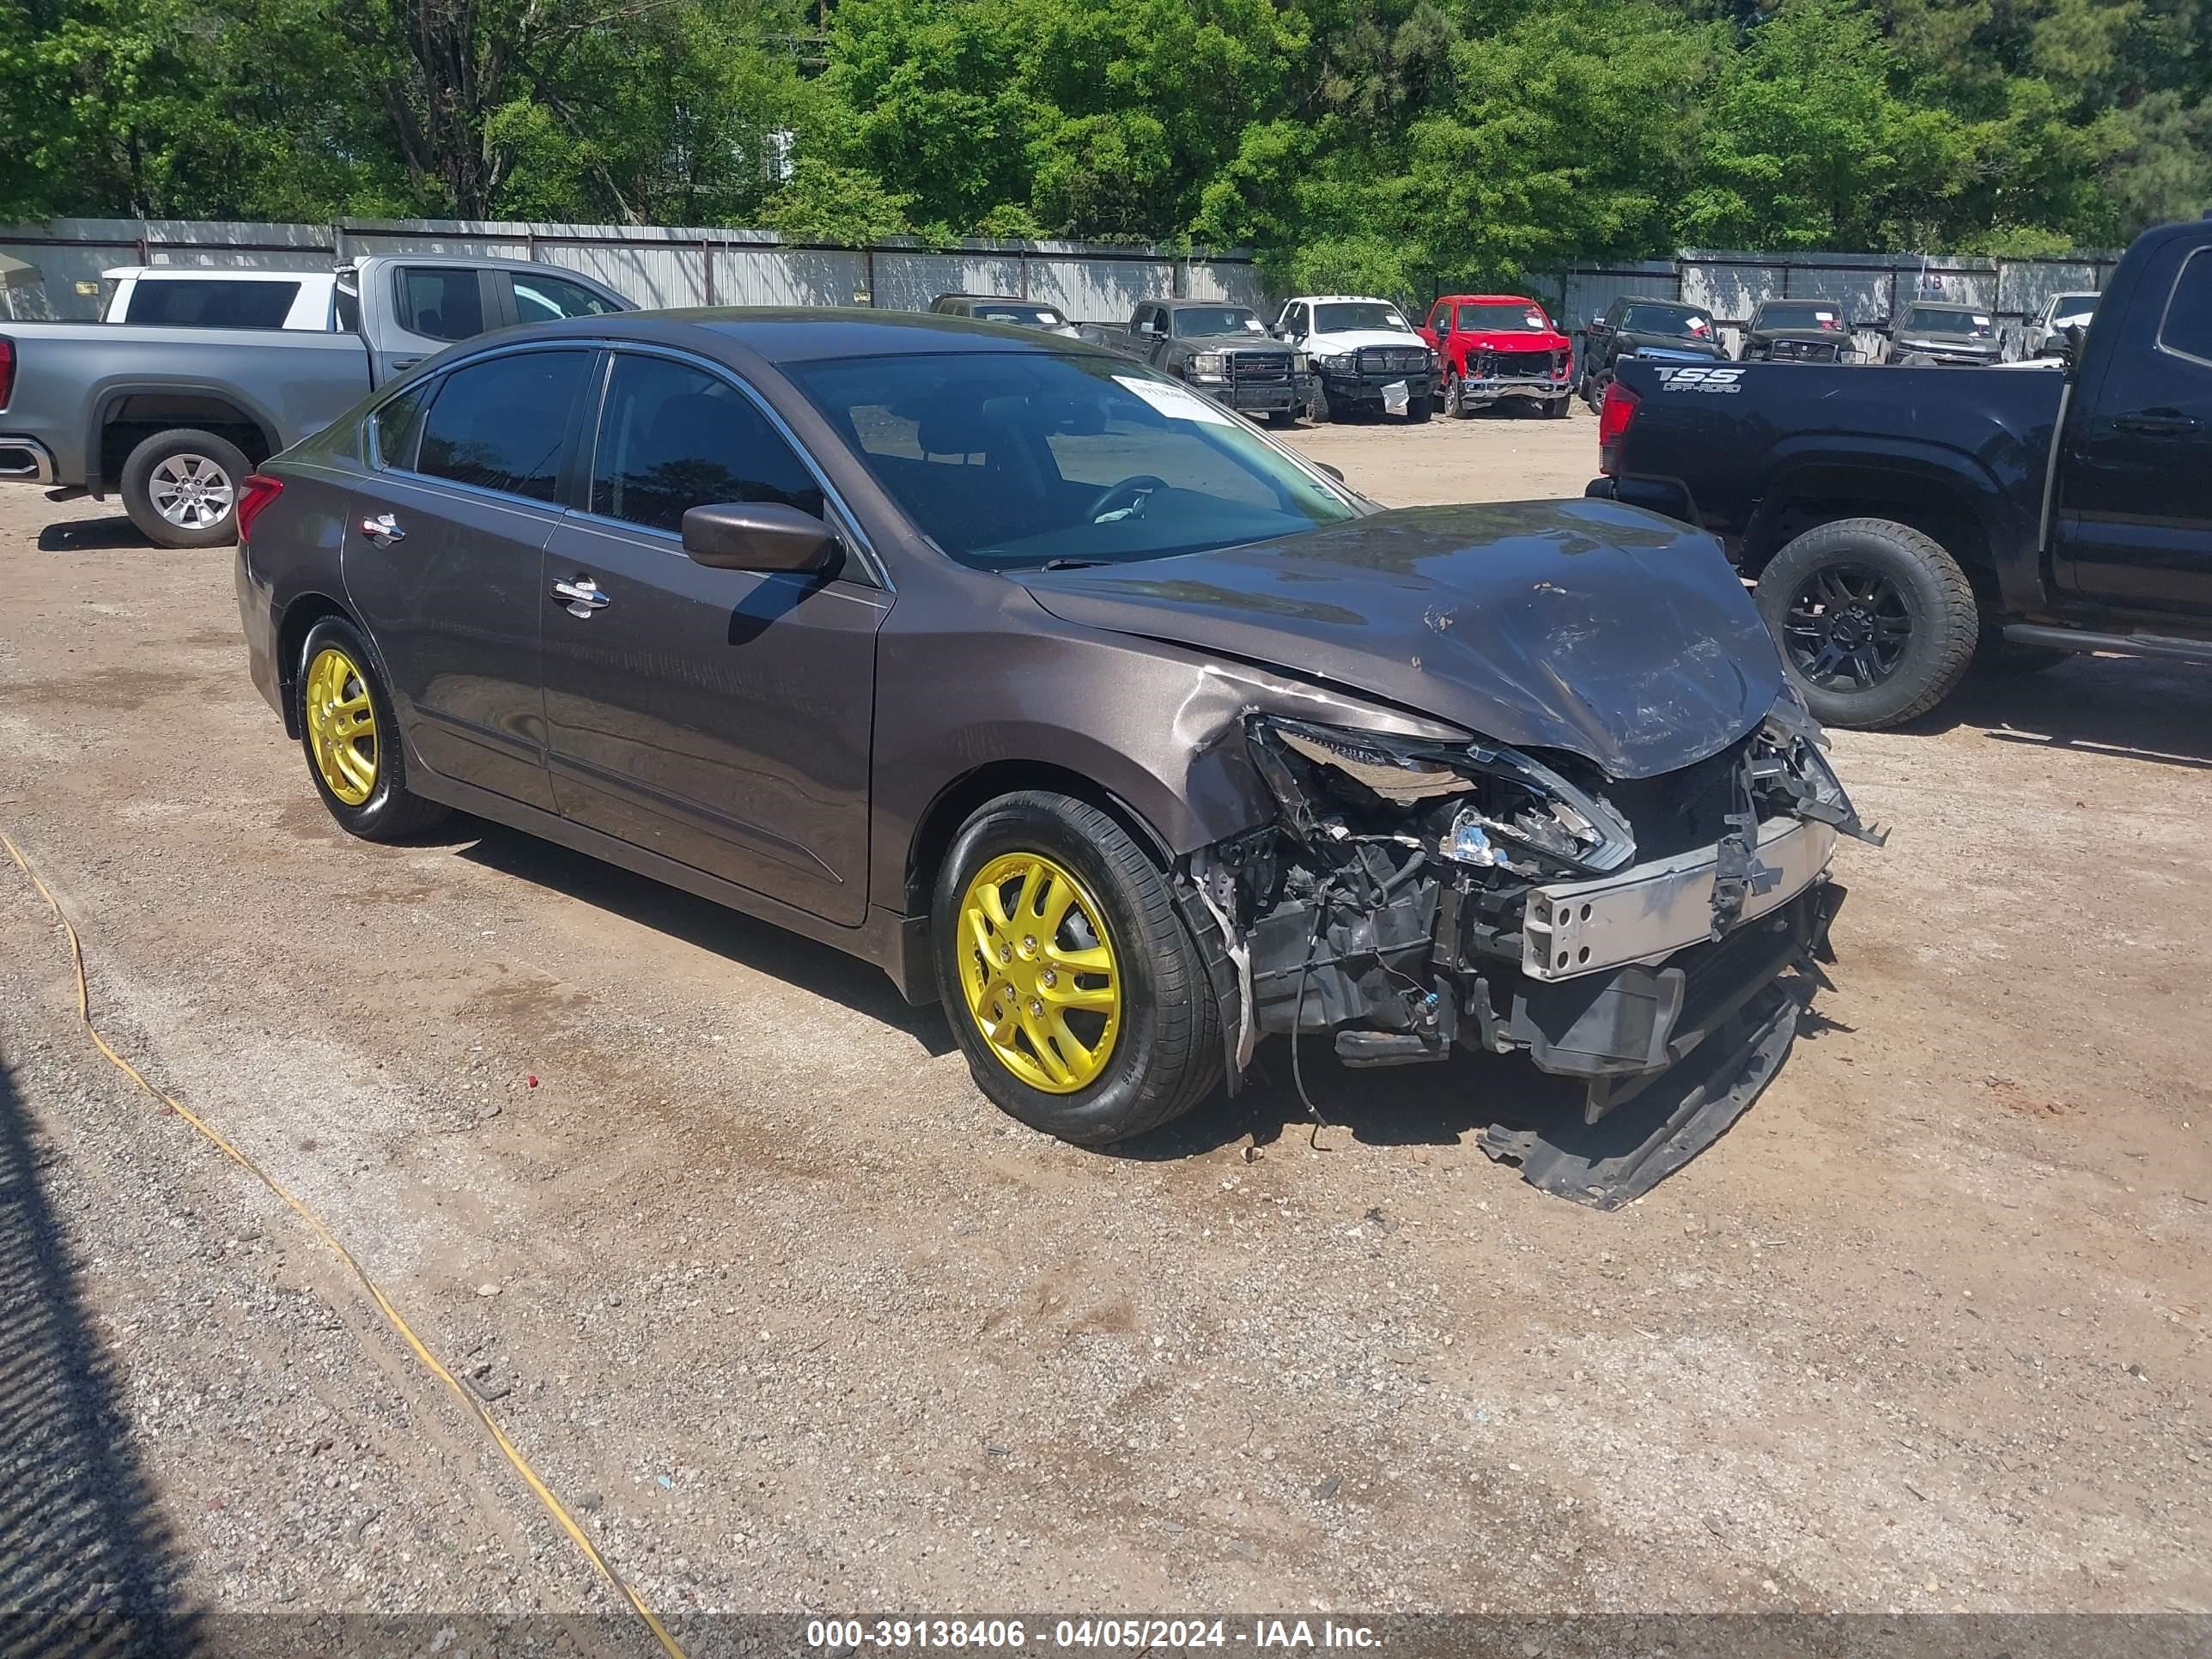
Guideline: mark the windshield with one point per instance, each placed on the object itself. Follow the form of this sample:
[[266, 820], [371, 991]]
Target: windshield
[[1945, 320], [1026, 316], [1195, 322], [1341, 316], [1513, 316], [1006, 461], [1667, 320], [1800, 314]]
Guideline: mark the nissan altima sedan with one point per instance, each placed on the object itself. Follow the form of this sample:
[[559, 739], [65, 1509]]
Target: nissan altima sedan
[[1070, 700]]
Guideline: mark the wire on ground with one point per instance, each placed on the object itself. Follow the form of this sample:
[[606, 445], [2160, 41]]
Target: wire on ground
[[554, 1506]]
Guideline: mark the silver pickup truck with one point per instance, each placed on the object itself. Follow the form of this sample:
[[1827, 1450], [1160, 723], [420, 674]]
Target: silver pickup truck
[[172, 418]]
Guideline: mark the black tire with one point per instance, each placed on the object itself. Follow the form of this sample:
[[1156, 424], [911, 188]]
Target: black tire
[[1166, 1055], [187, 521], [391, 810], [1876, 623], [1417, 410], [1280, 417], [1556, 409], [1455, 404]]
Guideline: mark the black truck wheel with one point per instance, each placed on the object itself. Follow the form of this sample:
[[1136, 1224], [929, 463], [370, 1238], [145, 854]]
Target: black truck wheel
[[1876, 623], [1416, 408]]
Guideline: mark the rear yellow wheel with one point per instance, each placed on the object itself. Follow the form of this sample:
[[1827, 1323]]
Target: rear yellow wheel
[[341, 725], [1038, 972]]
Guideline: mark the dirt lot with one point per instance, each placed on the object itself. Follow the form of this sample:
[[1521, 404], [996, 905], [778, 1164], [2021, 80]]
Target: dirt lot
[[763, 1286]]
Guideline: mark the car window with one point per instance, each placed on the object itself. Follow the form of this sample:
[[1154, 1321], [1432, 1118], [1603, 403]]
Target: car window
[[1510, 317], [1008, 462], [1345, 315], [397, 423], [443, 304], [542, 299], [673, 438], [191, 303], [2187, 325], [500, 423]]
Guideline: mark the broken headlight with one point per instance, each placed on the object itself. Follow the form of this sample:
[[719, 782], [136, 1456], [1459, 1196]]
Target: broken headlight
[[1476, 803]]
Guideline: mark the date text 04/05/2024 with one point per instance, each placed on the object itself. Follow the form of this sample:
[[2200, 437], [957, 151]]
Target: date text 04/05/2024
[[1123, 1634]]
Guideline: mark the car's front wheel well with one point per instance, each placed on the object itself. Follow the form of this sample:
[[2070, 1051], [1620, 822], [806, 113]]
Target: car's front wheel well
[[301, 615], [959, 801], [1936, 512]]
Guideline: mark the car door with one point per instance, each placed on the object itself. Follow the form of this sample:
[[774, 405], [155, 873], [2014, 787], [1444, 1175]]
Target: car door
[[2134, 523], [431, 307], [718, 718], [539, 296], [442, 558], [1294, 327]]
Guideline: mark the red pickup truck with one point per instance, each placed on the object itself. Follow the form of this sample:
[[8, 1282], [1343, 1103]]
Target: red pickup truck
[[1490, 347]]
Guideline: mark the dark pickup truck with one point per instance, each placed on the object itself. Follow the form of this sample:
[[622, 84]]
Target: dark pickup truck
[[1903, 523]]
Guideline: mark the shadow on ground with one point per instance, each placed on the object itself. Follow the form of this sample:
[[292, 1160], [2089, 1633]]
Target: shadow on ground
[[91, 535], [88, 1565], [818, 970], [2132, 708]]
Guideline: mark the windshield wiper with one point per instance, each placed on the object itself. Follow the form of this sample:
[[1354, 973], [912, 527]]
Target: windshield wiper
[[1070, 564]]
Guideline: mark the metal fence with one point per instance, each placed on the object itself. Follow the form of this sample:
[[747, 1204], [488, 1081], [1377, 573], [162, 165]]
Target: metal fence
[[653, 266], [1872, 288]]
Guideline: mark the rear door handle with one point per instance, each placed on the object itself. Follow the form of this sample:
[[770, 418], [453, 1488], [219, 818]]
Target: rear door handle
[[583, 596], [383, 529], [2157, 423]]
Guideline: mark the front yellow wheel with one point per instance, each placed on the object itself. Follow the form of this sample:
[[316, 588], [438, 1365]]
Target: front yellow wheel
[[1038, 972], [341, 725]]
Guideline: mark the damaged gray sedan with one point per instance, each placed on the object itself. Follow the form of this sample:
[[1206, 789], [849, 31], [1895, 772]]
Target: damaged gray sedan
[[1074, 701]]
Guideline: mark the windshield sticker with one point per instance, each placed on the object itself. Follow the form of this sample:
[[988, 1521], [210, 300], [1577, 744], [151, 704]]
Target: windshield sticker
[[1825, 319], [1536, 319], [1175, 401], [1981, 322]]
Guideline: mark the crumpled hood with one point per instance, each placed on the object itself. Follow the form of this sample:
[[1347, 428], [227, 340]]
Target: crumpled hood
[[1352, 339], [1580, 625]]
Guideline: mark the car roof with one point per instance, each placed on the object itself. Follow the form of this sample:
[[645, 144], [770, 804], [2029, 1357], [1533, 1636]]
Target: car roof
[[1961, 305], [1486, 299], [1666, 304], [790, 334], [997, 299], [1801, 300], [1342, 299], [227, 273], [1181, 305]]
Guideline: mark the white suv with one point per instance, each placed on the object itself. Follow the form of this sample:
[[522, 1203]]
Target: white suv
[[1366, 357]]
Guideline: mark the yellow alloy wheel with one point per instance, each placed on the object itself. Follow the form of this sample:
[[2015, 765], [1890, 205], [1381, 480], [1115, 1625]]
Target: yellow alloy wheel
[[341, 726], [1038, 970]]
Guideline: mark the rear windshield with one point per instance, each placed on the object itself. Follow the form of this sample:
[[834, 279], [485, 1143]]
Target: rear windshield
[[1800, 314], [1009, 461], [210, 302]]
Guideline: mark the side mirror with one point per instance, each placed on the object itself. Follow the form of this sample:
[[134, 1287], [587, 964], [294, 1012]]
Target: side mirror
[[757, 535], [1335, 472]]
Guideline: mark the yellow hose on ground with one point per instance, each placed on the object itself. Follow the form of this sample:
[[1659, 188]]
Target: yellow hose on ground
[[554, 1506]]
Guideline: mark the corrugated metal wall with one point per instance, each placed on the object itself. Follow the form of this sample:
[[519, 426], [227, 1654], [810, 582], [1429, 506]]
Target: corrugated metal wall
[[656, 265]]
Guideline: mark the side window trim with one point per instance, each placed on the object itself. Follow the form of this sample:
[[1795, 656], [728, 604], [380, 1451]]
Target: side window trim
[[2166, 310], [427, 390], [842, 518]]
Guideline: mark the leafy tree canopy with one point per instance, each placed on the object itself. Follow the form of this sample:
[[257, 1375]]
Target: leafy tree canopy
[[1358, 144]]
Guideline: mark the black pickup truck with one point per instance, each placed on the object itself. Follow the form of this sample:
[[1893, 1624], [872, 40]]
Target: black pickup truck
[[1904, 523]]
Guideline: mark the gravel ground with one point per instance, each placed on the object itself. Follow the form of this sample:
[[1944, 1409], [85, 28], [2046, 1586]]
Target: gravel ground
[[795, 1320]]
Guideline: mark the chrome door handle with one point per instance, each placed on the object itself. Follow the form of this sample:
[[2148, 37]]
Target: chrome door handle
[[383, 529], [583, 596]]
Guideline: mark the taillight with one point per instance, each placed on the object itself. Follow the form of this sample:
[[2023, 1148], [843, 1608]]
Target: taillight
[[256, 493], [1613, 418], [7, 372]]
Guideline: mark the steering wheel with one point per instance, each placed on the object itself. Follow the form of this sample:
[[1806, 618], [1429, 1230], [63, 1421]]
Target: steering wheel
[[1137, 488]]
